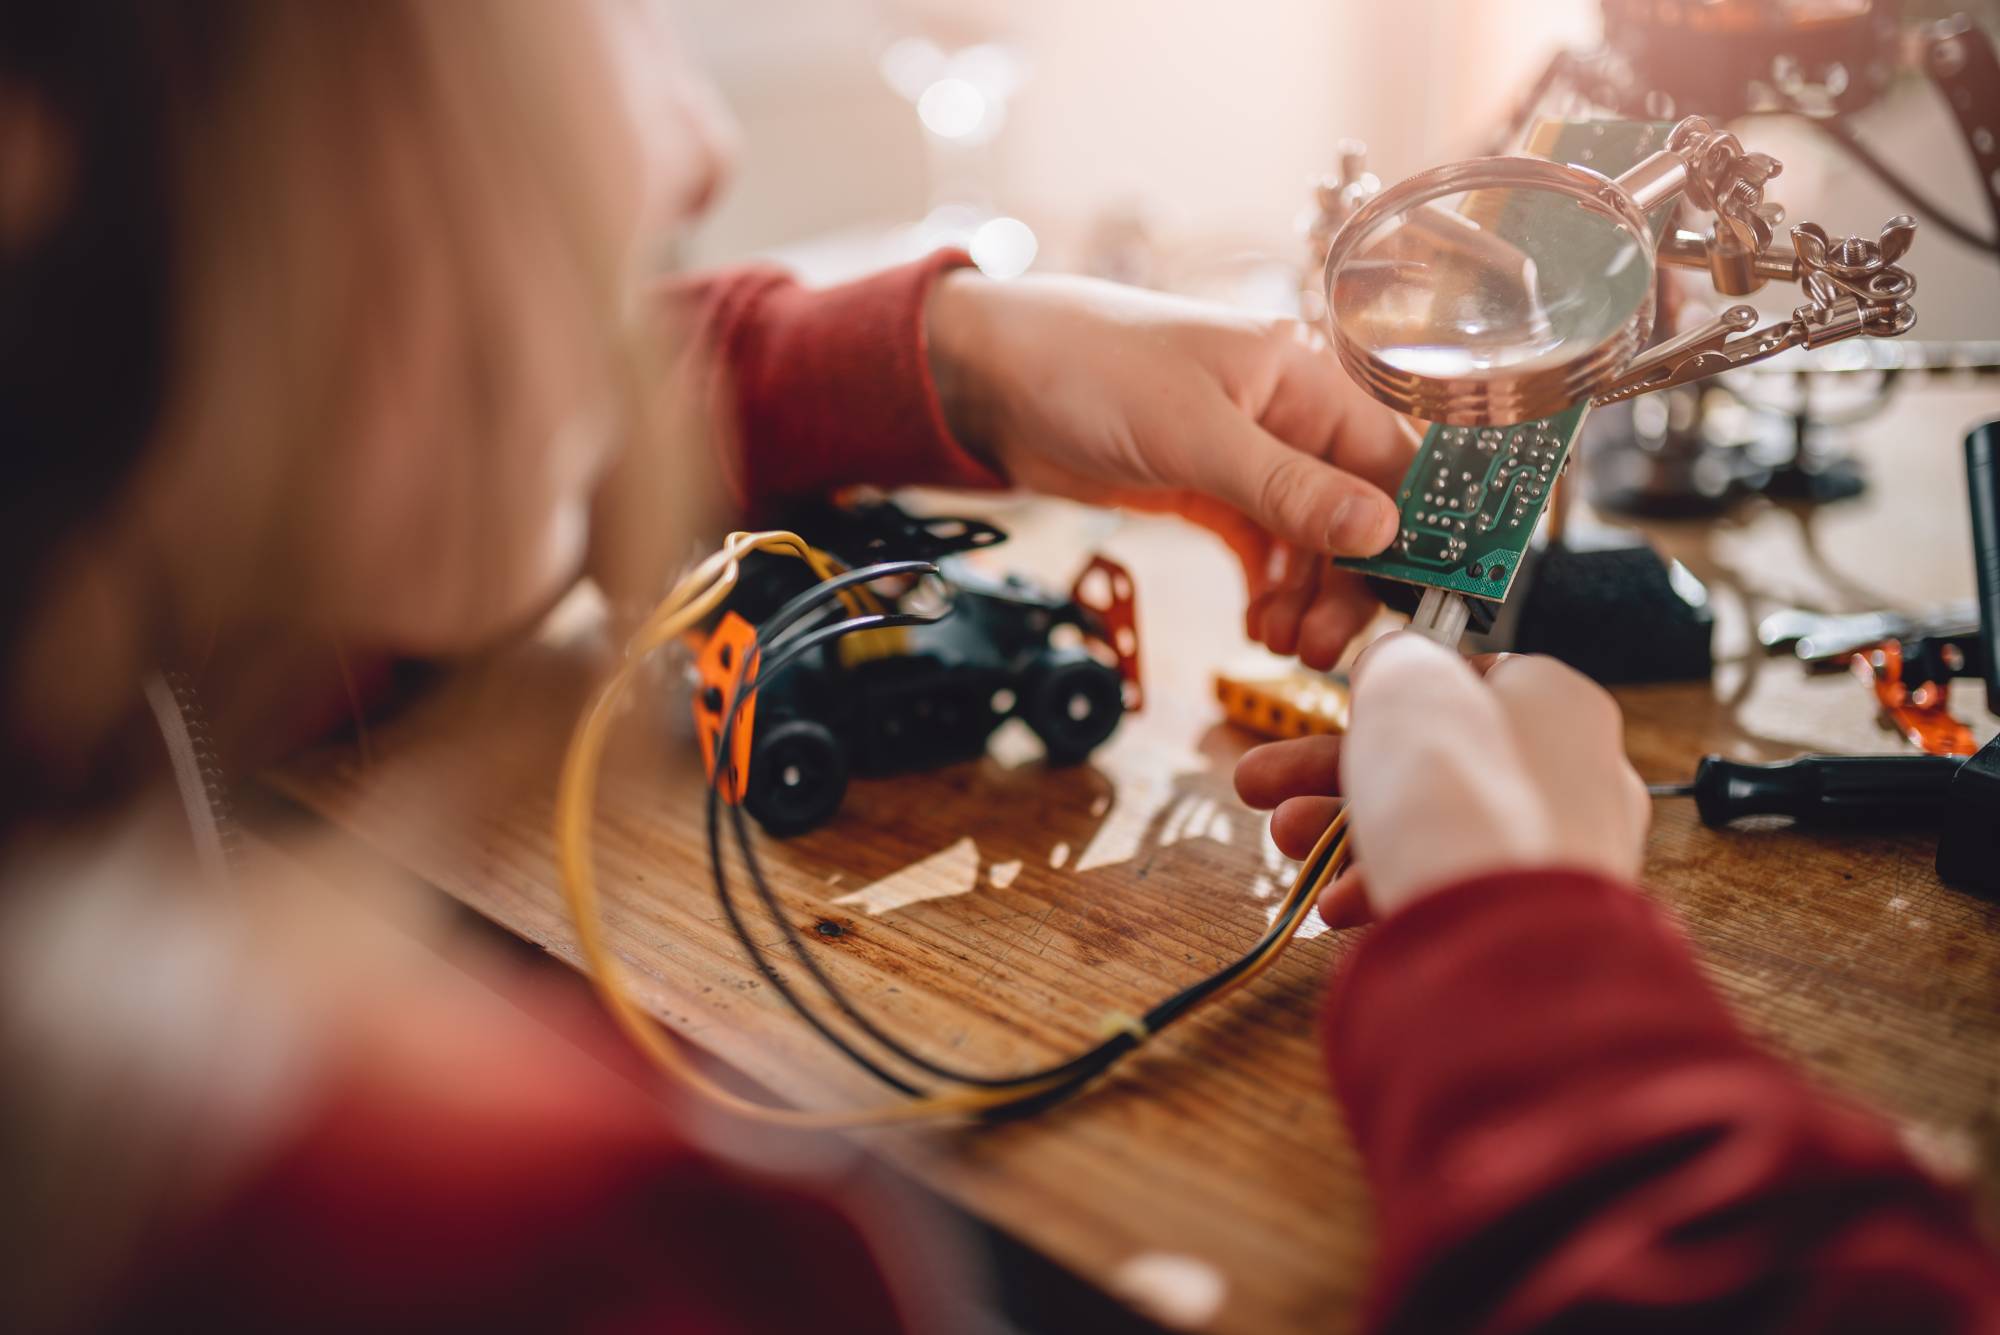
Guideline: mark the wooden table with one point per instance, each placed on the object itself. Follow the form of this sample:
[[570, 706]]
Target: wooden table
[[1015, 908]]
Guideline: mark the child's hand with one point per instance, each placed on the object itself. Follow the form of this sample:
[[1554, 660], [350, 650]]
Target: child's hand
[[1451, 775], [1242, 424]]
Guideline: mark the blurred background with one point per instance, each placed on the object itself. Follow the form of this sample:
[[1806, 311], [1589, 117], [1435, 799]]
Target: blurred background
[[1196, 125]]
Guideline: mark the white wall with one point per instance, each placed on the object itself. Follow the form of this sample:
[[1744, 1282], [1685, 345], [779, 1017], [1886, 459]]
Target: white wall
[[1211, 114]]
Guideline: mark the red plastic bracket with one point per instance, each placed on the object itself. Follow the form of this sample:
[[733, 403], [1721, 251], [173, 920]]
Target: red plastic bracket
[[1922, 713], [717, 669], [1113, 600]]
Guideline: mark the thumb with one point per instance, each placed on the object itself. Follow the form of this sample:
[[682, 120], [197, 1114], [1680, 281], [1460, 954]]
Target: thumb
[[1293, 495]]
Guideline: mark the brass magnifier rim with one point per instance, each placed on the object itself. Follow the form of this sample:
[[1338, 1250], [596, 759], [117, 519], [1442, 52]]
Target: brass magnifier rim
[[1507, 395]]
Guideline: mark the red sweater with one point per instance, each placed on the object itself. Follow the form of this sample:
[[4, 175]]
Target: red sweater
[[1566, 1131], [1563, 1127]]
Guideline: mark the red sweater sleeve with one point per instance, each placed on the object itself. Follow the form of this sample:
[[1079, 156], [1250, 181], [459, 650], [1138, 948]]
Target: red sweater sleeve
[[1566, 1131], [813, 389], [515, 1184]]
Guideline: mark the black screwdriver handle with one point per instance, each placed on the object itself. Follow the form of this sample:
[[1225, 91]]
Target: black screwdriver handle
[[1826, 790]]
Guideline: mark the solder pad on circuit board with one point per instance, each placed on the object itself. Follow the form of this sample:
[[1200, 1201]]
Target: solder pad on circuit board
[[1474, 495], [1471, 501]]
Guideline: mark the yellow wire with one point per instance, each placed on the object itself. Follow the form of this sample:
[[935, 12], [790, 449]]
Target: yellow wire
[[1336, 830], [690, 601]]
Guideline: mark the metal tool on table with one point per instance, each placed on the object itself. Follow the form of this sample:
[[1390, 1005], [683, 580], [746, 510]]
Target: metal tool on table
[[1826, 641]]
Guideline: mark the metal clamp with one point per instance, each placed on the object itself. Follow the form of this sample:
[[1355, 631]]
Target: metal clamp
[[1728, 181], [1854, 287], [1865, 270]]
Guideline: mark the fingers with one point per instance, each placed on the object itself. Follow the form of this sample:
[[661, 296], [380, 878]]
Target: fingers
[[1297, 777], [1342, 610], [1298, 603], [1302, 767], [1312, 609], [1276, 616], [1571, 733], [1298, 823], [1560, 718], [1538, 690], [1295, 496], [1430, 769], [1345, 903], [1318, 409], [1375, 443], [1407, 666], [1450, 768]]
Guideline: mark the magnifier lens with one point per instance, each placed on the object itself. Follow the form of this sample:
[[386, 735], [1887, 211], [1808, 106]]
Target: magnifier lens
[[1492, 303]]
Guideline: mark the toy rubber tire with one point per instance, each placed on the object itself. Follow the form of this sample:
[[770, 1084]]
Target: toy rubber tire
[[798, 777], [1073, 702]]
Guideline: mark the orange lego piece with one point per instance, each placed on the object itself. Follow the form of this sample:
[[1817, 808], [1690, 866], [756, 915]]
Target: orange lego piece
[[717, 670]]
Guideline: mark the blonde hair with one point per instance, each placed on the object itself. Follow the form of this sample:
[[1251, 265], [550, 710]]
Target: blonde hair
[[360, 198], [381, 174]]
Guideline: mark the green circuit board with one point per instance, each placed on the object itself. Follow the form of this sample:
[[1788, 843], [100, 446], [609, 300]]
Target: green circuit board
[[1471, 501], [1474, 496]]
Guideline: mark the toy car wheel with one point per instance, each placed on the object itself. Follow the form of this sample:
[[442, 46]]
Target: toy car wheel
[[798, 776], [1073, 702]]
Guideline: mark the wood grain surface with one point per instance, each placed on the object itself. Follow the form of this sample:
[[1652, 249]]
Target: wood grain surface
[[995, 914]]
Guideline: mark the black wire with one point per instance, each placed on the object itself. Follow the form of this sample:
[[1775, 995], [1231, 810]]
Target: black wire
[[1188, 998], [790, 650], [1070, 1075], [854, 1013], [783, 617], [793, 648], [1842, 134], [1163, 1013], [1073, 1073], [801, 603]]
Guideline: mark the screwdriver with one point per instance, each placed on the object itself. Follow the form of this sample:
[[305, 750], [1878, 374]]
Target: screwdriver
[[1821, 790]]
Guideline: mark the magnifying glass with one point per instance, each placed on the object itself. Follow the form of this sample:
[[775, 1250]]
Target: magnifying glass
[[1501, 290]]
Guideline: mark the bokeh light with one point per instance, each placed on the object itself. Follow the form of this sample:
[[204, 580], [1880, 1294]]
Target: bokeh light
[[1003, 247], [951, 108]]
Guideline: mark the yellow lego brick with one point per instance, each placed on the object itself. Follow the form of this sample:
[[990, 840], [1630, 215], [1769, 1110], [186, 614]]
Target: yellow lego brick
[[1296, 704]]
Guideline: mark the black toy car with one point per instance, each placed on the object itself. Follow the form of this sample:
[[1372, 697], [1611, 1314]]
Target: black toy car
[[933, 694]]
